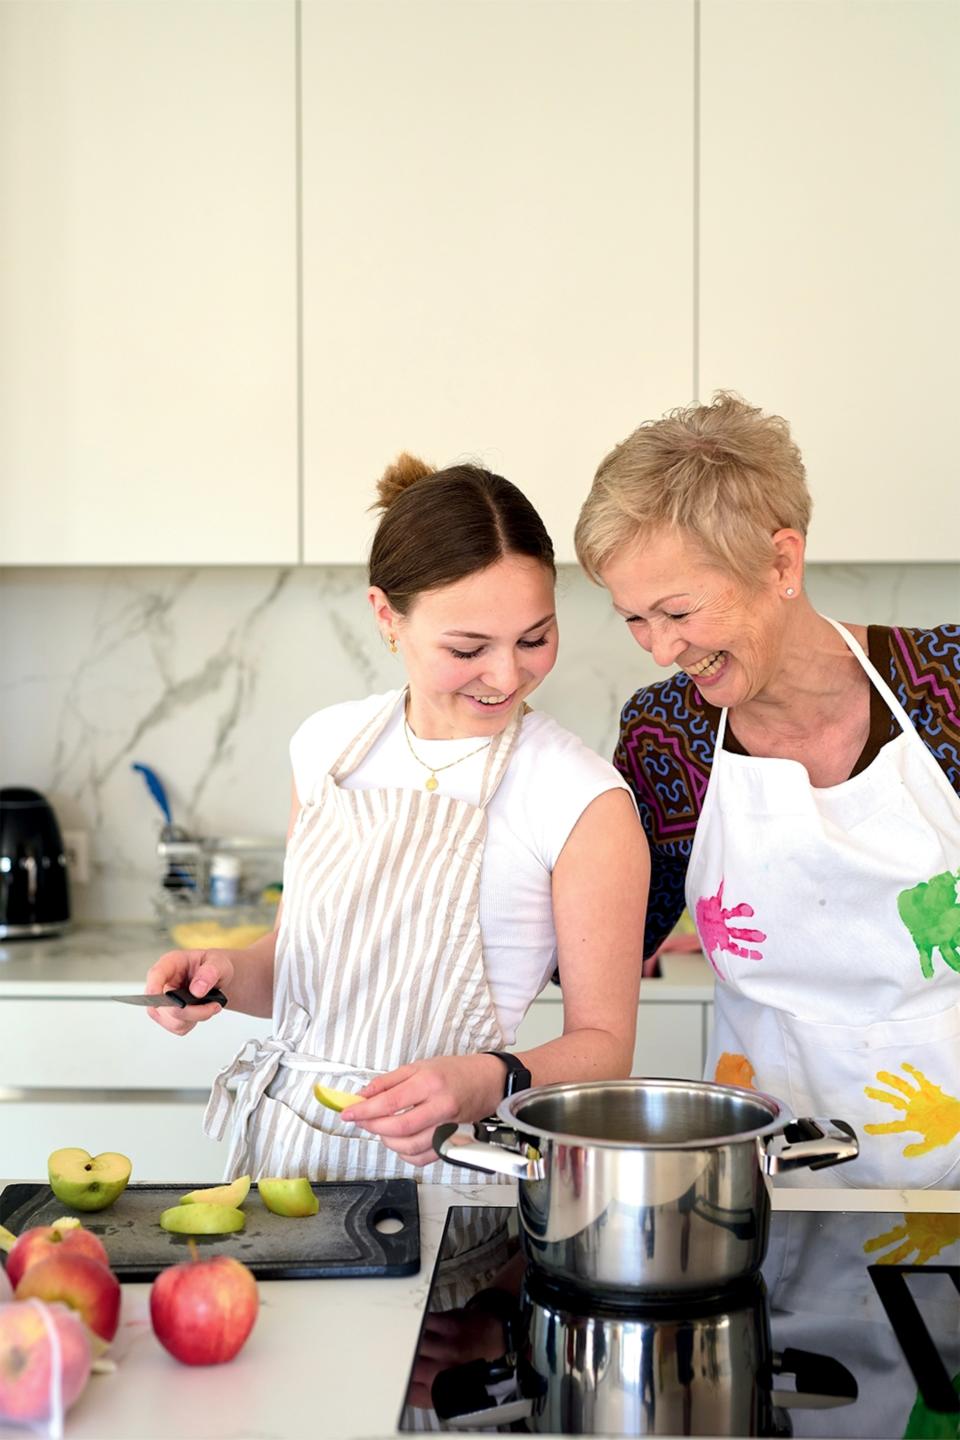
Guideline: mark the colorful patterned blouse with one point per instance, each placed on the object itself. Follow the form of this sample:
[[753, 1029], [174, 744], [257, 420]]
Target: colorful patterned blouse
[[668, 733]]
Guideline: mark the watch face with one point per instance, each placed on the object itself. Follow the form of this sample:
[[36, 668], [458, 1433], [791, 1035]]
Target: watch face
[[518, 1079]]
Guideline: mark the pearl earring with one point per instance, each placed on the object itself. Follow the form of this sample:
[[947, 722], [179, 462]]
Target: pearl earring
[[790, 592], [391, 641]]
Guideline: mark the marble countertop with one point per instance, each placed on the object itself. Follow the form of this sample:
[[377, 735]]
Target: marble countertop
[[328, 1359], [92, 960]]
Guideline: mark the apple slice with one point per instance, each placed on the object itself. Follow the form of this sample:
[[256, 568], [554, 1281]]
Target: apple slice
[[335, 1099], [288, 1196], [7, 1239], [88, 1182], [233, 1194], [202, 1220]]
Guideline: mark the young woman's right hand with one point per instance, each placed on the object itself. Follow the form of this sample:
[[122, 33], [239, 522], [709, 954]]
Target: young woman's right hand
[[200, 971]]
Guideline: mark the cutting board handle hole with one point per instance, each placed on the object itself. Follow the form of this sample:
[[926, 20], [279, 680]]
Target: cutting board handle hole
[[388, 1222]]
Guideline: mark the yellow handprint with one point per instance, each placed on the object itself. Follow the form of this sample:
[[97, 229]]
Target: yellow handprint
[[919, 1236], [928, 1109]]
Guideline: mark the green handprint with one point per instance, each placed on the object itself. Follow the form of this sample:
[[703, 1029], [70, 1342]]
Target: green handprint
[[931, 912], [927, 1424]]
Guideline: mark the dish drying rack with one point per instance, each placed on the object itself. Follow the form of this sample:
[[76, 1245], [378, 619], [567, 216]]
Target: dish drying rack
[[182, 902]]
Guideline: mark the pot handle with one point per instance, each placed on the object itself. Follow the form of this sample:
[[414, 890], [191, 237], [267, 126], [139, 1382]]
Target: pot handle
[[811, 1143], [460, 1146], [822, 1382]]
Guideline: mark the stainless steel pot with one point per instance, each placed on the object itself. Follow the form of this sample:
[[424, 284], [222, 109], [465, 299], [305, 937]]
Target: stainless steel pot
[[652, 1187], [705, 1370]]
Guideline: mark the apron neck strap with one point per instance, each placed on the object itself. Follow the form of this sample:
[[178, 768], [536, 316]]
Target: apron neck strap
[[498, 756], [366, 737]]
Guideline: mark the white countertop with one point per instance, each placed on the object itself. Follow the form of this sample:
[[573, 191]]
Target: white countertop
[[93, 960], [328, 1359], [89, 960]]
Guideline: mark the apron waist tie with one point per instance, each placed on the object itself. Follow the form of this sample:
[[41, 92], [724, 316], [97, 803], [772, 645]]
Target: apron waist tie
[[242, 1083]]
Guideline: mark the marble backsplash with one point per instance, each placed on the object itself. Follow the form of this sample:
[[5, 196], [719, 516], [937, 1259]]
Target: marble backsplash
[[204, 675]]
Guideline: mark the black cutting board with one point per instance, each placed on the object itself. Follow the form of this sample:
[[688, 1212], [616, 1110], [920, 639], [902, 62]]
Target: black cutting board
[[342, 1240]]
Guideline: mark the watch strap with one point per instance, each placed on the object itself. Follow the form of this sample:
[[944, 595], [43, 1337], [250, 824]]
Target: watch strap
[[518, 1076]]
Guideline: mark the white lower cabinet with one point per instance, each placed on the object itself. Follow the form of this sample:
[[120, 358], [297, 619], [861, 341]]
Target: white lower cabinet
[[670, 1034], [160, 1131], [103, 1077]]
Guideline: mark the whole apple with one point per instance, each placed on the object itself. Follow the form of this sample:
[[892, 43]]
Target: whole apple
[[203, 1310], [28, 1380], [84, 1284], [66, 1237]]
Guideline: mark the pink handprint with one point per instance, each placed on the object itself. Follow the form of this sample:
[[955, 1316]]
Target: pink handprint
[[716, 934]]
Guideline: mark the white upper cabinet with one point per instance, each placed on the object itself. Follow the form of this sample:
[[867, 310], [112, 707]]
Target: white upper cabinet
[[830, 235], [148, 286], [497, 242]]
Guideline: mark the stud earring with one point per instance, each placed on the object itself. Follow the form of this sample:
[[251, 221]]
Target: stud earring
[[790, 592], [391, 641]]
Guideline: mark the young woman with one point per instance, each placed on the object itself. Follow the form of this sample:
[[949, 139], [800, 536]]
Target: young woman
[[448, 848]]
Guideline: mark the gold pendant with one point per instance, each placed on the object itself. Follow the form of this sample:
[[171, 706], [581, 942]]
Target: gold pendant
[[431, 784]]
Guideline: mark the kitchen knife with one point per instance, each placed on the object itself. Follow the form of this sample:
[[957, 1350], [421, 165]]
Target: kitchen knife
[[180, 998]]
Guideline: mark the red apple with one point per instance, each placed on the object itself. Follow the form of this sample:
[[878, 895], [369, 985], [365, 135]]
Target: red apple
[[27, 1374], [44, 1241], [203, 1310], [84, 1284]]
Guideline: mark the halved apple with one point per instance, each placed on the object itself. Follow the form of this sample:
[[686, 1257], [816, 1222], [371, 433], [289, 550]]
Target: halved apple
[[335, 1099], [202, 1220], [233, 1194], [288, 1196], [88, 1182]]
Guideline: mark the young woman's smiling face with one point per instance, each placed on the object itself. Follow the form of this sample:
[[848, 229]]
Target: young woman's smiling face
[[474, 650], [693, 615]]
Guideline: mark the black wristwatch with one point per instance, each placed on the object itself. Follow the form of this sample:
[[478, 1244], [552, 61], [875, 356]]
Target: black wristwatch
[[518, 1076]]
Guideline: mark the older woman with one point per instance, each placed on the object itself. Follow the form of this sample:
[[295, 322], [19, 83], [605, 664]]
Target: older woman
[[798, 781]]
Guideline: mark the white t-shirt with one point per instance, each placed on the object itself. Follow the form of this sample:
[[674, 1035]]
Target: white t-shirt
[[551, 779]]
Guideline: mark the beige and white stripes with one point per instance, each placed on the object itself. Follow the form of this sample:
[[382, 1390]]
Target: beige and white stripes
[[379, 962]]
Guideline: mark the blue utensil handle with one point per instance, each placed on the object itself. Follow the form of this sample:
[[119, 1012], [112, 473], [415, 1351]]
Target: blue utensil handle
[[155, 786], [183, 997]]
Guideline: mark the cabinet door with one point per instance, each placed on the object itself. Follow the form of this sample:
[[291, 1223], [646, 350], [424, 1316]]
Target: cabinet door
[[161, 1134], [148, 282], [497, 243], [669, 1035], [830, 229]]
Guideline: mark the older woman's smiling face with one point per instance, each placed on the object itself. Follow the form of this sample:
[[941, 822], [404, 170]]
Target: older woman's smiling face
[[691, 614]]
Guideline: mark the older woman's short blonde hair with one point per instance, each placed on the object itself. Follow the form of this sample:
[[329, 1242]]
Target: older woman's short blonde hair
[[725, 474]]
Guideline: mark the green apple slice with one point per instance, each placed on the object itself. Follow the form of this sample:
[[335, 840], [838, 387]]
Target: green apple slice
[[335, 1099], [88, 1182], [202, 1220], [233, 1194], [288, 1196], [7, 1239]]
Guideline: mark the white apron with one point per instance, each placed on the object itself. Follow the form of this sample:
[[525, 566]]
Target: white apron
[[379, 962], [832, 920]]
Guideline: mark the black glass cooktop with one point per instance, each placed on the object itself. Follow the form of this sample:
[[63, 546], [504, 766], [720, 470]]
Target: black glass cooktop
[[853, 1330]]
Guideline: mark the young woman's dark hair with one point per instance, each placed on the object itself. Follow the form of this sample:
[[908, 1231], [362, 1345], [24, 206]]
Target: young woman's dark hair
[[439, 526]]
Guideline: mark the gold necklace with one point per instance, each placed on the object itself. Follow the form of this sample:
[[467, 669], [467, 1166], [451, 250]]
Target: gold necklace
[[431, 783]]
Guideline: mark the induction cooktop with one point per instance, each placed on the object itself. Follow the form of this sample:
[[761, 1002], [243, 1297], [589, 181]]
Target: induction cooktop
[[853, 1330]]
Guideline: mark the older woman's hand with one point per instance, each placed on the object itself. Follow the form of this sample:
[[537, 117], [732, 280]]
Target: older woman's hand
[[405, 1106]]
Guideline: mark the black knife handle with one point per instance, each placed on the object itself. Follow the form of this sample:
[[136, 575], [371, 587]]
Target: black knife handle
[[183, 997]]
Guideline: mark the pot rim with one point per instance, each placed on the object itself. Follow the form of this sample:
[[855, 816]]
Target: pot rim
[[781, 1116]]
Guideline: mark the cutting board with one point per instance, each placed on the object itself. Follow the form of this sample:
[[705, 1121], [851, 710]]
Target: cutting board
[[364, 1227]]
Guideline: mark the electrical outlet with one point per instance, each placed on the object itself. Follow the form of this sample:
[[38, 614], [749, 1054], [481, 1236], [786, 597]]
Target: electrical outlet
[[76, 847]]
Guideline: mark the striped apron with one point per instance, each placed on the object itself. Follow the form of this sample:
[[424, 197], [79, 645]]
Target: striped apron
[[379, 962]]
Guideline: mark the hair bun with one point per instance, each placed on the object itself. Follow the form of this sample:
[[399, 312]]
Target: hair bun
[[405, 471]]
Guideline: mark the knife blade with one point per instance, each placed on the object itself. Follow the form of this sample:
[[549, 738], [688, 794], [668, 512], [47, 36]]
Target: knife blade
[[180, 998]]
